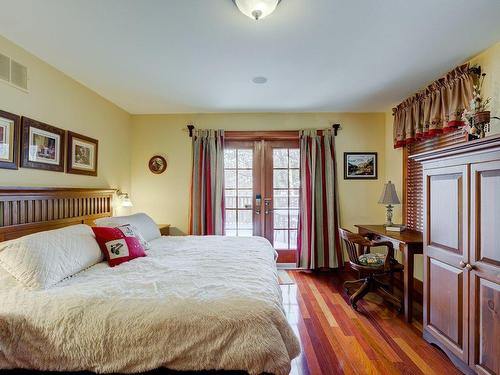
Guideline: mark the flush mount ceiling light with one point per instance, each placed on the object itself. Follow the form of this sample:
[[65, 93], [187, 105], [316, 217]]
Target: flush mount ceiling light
[[259, 80], [256, 9]]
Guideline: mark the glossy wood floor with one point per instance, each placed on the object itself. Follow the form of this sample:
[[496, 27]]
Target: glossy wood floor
[[336, 339]]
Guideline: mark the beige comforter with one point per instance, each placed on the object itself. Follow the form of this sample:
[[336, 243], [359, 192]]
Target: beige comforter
[[193, 303]]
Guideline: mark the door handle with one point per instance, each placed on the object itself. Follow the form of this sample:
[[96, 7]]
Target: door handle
[[267, 205], [462, 264], [469, 267]]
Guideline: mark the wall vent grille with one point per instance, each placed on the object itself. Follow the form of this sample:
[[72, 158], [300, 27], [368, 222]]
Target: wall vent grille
[[4, 68], [18, 75], [13, 72]]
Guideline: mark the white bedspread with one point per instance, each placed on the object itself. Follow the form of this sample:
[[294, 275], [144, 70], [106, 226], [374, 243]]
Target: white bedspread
[[193, 303]]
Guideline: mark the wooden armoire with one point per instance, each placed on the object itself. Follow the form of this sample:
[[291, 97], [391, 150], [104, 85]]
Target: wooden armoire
[[461, 206]]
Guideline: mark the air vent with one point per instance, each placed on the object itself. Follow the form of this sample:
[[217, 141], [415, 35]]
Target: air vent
[[18, 75], [13, 72], [4, 68]]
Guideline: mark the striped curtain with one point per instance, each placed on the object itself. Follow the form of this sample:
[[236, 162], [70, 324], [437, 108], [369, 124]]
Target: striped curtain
[[207, 198], [318, 241]]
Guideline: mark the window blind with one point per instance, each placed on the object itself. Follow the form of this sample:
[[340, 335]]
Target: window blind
[[413, 178]]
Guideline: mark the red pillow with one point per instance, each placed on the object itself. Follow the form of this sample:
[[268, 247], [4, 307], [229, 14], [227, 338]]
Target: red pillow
[[118, 244]]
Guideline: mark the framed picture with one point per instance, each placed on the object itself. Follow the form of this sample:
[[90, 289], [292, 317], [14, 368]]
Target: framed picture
[[360, 165], [157, 164], [42, 146], [9, 140], [81, 154]]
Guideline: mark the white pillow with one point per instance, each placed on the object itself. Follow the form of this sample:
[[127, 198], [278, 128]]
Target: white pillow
[[144, 224], [42, 259]]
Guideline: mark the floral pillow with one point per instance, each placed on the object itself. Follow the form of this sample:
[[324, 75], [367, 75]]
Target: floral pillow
[[119, 244]]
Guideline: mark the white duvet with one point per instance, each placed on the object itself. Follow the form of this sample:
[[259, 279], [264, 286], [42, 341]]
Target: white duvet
[[193, 303]]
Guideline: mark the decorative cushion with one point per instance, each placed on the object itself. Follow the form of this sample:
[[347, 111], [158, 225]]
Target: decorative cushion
[[119, 244], [144, 224], [43, 259], [372, 259]]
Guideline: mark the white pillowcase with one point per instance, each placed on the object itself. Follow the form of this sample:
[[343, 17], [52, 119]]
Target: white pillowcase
[[142, 222], [43, 259]]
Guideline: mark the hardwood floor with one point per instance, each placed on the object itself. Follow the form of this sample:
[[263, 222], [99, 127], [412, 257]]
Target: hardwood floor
[[336, 339]]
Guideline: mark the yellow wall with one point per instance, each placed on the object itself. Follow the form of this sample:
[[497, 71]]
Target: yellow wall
[[166, 196], [490, 64], [56, 99]]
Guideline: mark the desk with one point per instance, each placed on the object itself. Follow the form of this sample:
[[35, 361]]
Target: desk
[[409, 242]]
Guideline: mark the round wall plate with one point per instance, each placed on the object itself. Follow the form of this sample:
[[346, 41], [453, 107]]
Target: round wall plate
[[157, 164]]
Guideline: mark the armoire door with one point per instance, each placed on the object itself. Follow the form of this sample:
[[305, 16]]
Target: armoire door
[[445, 258], [484, 268]]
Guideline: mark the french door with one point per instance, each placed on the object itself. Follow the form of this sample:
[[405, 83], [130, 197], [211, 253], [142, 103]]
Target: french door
[[262, 182]]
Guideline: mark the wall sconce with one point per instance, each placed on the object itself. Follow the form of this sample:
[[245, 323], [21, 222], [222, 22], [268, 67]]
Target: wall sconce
[[124, 199]]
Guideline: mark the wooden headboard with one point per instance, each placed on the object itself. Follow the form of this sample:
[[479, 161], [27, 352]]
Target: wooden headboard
[[25, 210]]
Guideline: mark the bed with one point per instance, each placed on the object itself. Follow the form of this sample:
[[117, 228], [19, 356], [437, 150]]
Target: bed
[[193, 303]]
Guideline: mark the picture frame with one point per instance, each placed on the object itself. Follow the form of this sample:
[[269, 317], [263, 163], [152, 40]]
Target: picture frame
[[157, 164], [42, 146], [360, 166], [10, 127], [82, 154]]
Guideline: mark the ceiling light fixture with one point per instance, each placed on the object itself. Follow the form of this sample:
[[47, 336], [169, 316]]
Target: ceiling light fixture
[[259, 80], [256, 9]]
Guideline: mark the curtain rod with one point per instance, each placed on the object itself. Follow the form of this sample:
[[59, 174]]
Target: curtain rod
[[335, 127]]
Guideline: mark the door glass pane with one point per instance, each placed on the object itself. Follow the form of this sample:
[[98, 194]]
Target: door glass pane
[[230, 179], [244, 179], [245, 158], [280, 158], [286, 183], [280, 198], [245, 199], [294, 218], [294, 178], [293, 239], [238, 183], [294, 198], [245, 219], [230, 158], [281, 218], [280, 178], [294, 157], [280, 239], [230, 219], [230, 195]]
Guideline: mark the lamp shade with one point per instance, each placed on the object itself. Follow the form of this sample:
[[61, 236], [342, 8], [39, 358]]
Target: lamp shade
[[389, 195], [124, 199], [256, 9], [126, 202]]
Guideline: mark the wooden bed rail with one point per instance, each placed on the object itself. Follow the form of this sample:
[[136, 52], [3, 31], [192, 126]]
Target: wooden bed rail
[[25, 210]]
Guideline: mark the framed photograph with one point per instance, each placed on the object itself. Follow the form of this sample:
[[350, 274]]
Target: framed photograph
[[9, 140], [42, 146], [360, 165], [81, 154]]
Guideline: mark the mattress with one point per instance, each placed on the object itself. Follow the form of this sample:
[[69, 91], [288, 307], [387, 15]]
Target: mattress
[[194, 303]]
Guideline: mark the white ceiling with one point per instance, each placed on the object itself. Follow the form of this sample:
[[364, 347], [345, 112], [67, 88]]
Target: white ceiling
[[172, 56]]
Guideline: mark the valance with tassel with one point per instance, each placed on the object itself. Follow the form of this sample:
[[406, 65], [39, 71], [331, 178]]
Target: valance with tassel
[[436, 109]]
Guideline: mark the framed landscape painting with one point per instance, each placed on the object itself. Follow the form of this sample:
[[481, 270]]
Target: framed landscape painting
[[42, 146], [360, 165], [82, 154], [9, 140]]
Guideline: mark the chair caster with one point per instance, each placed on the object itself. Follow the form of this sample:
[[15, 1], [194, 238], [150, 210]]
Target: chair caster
[[354, 306]]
